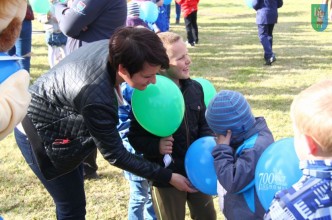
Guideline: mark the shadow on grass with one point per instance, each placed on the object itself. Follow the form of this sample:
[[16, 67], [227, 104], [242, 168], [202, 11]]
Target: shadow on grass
[[9, 208]]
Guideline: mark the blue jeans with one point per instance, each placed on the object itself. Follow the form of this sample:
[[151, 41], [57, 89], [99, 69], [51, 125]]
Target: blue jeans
[[67, 191], [140, 203], [23, 45], [266, 38]]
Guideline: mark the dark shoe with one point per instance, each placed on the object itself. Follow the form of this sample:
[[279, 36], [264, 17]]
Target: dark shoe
[[177, 21], [91, 176], [196, 42], [272, 59]]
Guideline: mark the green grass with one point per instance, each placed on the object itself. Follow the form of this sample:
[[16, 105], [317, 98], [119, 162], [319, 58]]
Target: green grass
[[230, 56]]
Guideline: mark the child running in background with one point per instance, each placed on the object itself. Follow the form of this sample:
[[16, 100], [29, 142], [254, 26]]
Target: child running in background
[[311, 196], [170, 203], [140, 203], [241, 139], [55, 39], [189, 10]]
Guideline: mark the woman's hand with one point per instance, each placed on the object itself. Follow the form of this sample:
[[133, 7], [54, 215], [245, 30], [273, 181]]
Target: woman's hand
[[182, 183]]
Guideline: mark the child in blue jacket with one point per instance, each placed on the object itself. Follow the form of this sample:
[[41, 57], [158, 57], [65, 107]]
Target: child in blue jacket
[[241, 139]]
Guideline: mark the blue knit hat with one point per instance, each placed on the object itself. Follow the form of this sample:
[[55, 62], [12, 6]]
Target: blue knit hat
[[229, 110]]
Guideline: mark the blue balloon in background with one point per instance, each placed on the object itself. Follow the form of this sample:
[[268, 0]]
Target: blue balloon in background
[[277, 169], [199, 165], [249, 3], [167, 2], [149, 12], [8, 67]]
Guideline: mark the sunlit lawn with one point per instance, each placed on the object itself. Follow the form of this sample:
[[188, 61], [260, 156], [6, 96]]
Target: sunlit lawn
[[231, 57]]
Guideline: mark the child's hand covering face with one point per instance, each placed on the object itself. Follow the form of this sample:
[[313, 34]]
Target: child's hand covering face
[[221, 139]]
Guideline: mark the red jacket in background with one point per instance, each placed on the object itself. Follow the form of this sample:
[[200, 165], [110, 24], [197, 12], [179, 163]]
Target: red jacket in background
[[188, 6]]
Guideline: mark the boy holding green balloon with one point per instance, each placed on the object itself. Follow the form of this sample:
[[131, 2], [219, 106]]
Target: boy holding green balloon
[[169, 202], [311, 196]]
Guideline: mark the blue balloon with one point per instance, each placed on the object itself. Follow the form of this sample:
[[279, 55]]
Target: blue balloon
[[149, 12], [167, 2], [199, 165], [249, 3], [277, 169], [7, 68]]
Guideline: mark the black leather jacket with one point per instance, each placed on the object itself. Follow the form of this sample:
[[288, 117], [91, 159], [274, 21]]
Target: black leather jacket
[[193, 126], [75, 102]]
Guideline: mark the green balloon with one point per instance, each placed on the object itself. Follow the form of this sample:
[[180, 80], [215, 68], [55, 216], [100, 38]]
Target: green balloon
[[208, 89], [160, 107], [40, 6]]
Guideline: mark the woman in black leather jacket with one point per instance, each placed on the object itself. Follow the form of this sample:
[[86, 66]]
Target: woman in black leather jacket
[[74, 108]]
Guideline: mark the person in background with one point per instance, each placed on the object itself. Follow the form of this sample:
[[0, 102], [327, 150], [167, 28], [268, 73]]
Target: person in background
[[266, 18], [241, 139], [177, 13], [140, 202], [55, 39], [162, 21], [86, 21], [133, 12], [14, 94], [311, 196], [169, 202], [22, 47], [74, 109], [189, 10]]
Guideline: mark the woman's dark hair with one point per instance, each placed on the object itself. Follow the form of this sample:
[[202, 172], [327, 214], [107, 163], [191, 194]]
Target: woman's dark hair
[[132, 46]]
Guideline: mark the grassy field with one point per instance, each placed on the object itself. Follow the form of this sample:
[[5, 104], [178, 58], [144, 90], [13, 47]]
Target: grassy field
[[231, 57]]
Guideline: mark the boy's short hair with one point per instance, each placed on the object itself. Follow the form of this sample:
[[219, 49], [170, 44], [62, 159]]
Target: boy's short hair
[[132, 47], [311, 113], [169, 38], [229, 110]]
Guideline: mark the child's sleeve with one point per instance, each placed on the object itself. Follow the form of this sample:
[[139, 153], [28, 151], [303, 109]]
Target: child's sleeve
[[14, 101], [233, 173], [256, 4], [72, 20], [143, 141]]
